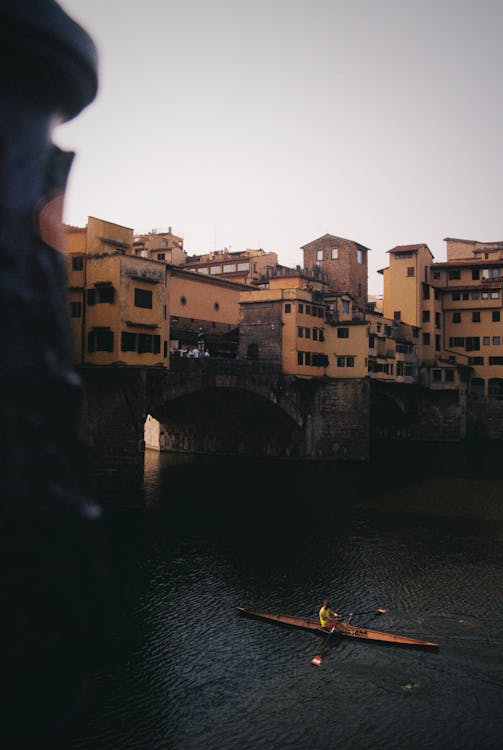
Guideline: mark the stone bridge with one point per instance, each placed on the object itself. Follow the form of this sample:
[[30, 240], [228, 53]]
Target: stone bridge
[[400, 411], [221, 406]]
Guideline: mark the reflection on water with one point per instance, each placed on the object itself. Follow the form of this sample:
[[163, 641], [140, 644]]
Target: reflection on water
[[418, 533]]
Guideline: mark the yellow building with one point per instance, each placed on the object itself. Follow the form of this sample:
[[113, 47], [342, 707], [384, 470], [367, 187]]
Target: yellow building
[[118, 302], [471, 286], [201, 302], [284, 324]]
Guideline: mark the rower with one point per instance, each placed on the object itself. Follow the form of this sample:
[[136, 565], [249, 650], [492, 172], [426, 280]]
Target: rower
[[326, 615]]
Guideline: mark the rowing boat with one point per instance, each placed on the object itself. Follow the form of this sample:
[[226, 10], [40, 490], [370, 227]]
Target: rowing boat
[[341, 628]]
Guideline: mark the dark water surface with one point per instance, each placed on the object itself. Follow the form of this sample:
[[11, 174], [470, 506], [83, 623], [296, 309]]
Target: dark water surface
[[419, 533]]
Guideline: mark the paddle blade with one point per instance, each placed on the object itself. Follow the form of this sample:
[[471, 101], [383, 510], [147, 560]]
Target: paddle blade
[[317, 661]]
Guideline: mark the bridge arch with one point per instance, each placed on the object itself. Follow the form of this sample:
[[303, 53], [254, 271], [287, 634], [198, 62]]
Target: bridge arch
[[219, 406]]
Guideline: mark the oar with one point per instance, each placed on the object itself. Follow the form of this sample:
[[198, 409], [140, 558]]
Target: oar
[[380, 611], [316, 660]]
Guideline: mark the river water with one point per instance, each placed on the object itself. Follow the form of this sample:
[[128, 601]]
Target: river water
[[418, 531]]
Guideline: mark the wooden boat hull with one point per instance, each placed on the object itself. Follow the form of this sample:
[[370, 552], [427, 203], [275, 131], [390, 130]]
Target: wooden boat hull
[[341, 628]]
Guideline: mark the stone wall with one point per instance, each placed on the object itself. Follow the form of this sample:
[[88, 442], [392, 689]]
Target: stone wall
[[337, 418], [485, 418], [260, 327], [115, 410], [401, 412]]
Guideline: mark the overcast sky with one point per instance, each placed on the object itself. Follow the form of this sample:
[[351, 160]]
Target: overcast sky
[[266, 123]]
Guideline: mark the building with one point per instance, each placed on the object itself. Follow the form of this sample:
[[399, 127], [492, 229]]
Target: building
[[118, 301], [470, 283], [162, 246], [344, 262], [245, 267]]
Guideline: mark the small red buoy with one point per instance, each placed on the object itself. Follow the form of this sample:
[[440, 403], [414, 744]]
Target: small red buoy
[[316, 661]]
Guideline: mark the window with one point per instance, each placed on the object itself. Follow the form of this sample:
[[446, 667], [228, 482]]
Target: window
[[100, 340], [343, 333], [475, 274], [307, 333], [437, 320], [345, 306], [485, 273], [183, 300], [371, 341], [410, 270], [456, 317], [438, 343], [399, 368], [496, 316], [475, 316], [243, 266], [214, 270], [465, 295], [486, 340], [229, 267], [426, 316], [319, 255], [341, 361], [360, 256], [307, 358], [496, 340], [300, 332], [128, 342], [496, 360], [396, 315], [320, 360], [142, 298], [288, 307], [350, 361], [308, 309], [203, 269], [216, 306], [475, 360], [436, 376], [454, 274], [457, 341], [91, 297], [334, 253], [495, 295], [495, 272], [300, 358], [78, 263], [456, 296], [475, 295], [436, 274], [484, 295], [105, 294], [449, 376], [315, 334], [75, 309], [472, 344], [161, 256], [301, 307], [147, 343], [426, 291]]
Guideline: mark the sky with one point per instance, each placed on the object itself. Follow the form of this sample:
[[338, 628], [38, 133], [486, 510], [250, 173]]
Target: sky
[[268, 123]]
